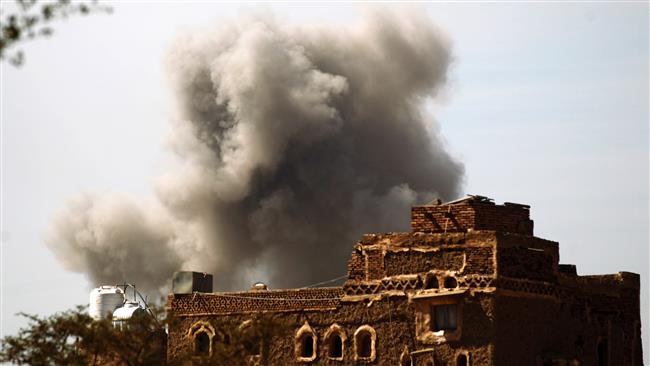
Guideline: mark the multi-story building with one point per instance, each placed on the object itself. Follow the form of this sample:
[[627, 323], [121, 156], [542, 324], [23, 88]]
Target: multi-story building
[[469, 285]]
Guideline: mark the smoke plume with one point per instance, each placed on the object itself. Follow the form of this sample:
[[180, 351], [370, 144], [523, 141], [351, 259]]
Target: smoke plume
[[292, 142]]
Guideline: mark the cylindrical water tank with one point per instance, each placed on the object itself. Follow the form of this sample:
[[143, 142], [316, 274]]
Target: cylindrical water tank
[[104, 300], [128, 311]]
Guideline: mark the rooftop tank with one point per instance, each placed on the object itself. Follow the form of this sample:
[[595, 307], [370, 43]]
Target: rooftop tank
[[104, 300]]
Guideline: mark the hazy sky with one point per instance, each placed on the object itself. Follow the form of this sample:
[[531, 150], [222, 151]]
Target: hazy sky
[[547, 105]]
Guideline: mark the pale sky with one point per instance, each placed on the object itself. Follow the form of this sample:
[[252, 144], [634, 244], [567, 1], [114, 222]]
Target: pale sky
[[547, 105]]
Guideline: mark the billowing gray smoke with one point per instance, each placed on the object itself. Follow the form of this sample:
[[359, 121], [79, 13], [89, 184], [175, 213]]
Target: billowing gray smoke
[[292, 142]]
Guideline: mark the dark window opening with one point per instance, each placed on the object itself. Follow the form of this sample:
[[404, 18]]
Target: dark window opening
[[335, 346], [307, 346], [461, 360], [603, 356], [202, 344], [451, 282], [406, 360], [432, 282], [444, 317], [364, 344], [251, 347]]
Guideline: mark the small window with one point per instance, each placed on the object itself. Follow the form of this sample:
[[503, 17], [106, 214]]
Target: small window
[[335, 341], [307, 346], [451, 283], [252, 347], [444, 317], [603, 352], [251, 341], [202, 344], [364, 344], [201, 335], [461, 360], [432, 282], [335, 346]]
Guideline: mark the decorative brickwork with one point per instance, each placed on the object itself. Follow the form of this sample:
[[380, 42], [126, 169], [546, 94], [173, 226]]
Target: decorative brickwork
[[470, 285], [241, 302]]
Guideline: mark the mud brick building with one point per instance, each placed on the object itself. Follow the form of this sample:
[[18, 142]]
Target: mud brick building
[[469, 285]]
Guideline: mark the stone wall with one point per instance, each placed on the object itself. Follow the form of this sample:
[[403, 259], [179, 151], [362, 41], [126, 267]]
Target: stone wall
[[391, 318]]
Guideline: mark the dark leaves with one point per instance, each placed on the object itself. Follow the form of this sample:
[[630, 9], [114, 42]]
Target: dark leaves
[[29, 22], [74, 338]]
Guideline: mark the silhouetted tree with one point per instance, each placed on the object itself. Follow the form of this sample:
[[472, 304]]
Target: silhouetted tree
[[74, 338], [27, 21]]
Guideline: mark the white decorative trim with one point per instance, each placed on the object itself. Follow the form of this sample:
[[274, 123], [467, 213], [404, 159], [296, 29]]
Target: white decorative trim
[[305, 331]]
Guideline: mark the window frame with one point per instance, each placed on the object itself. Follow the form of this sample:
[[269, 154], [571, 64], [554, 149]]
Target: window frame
[[334, 330], [447, 309], [305, 331], [373, 343], [424, 319], [254, 344], [465, 354], [201, 327]]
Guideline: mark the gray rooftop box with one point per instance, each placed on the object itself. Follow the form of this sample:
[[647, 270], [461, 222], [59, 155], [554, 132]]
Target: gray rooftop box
[[186, 282]]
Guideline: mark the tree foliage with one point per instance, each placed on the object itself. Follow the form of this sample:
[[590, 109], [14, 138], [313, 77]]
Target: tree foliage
[[29, 21], [74, 338]]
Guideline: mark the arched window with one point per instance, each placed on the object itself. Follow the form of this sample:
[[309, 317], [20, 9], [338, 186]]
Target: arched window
[[252, 347], [451, 283], [461, 360], [201, 334], [364, 343], [202, 344], [305, 346], [603, 352], [335, 341], [251, 342], [335, 346], [432, 282]]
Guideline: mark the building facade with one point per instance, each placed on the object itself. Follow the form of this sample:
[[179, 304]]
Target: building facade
[[469, 285]]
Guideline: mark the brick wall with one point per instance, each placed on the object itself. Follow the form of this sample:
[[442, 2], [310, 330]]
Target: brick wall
[[375, 263], [357, 266], [469, 214]]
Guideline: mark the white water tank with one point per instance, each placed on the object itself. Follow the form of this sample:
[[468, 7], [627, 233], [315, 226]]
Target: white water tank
[[128, 311], [104, 300]]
